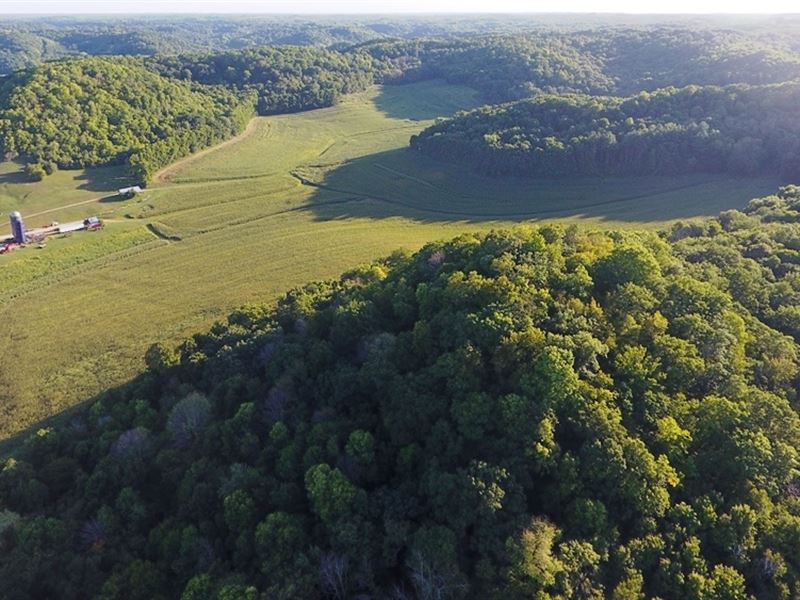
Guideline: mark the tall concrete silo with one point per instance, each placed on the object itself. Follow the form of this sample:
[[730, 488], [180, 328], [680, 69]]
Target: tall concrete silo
[[18, 228]]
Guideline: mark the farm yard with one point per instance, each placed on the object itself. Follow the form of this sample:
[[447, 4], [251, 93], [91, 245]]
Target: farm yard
[[296, 198]]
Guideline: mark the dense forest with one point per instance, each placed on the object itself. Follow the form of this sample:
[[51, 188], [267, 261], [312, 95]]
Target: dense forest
[[285, 78], [500, 67], [21, 50], [94, 111], [536, 413], [26, 42], [744, 130], [597, 61]]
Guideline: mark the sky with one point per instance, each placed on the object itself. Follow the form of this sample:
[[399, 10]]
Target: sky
[[393, 6]]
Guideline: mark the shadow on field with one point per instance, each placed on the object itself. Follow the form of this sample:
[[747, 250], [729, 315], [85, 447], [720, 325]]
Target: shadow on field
[[424, 100], [112, 198], [75, 417], [15, 177], [403, 183], [104, 179]]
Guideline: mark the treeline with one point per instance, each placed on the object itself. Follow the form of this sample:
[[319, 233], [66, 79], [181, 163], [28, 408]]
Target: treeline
[[89, 112], [744, 130], [285, 78], [26, 42], [537, 413], [500, 67], [596, 61]]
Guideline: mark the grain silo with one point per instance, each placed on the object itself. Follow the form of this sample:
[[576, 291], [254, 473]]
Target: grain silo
[[18, 228]]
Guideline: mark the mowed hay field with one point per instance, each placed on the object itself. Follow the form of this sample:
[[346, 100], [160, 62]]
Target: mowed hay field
[[296, 198]]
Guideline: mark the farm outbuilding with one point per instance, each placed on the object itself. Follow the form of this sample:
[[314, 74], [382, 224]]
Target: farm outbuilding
[[129, 191], [89, 223], [70, 227]]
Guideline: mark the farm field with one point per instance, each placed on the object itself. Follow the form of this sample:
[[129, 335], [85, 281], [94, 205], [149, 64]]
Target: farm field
[[296, 198]]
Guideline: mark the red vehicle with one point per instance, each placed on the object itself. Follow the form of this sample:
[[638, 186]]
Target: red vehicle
[[5, 248]]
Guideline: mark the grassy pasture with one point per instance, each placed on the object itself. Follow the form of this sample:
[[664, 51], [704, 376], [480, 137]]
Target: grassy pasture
[[73, 194], [300, 197]]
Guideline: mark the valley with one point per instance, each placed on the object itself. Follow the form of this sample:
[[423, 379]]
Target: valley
[[452, 307], [295, 198]]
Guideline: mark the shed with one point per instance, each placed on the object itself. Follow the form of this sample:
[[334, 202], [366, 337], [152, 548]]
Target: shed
[[129, 191]]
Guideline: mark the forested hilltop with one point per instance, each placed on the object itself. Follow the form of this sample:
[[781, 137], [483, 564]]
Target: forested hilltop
[[146, 114], [25, 42], [742, 130], [535, 413], [285, 78], [94, 111], [594, 61]]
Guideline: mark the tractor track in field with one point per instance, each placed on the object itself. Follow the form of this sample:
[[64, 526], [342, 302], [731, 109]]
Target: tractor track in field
[[163, 176], [66, 206], [574, 210]]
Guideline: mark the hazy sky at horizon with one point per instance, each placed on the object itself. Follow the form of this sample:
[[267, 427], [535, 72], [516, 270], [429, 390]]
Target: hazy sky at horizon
[[392, 6]]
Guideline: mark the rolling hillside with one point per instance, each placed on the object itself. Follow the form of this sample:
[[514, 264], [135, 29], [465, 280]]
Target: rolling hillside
[[300, 197], [383, 341], [541, 412]]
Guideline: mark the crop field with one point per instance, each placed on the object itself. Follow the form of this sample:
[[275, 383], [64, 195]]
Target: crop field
[[295, 198]]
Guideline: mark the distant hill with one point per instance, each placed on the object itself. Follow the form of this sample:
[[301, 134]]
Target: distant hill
[[21, 50], [594, 61]]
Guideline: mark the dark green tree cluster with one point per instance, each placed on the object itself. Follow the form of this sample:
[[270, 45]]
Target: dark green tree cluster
[[537, 413], [90, 112], [744, 130], [286, 78]]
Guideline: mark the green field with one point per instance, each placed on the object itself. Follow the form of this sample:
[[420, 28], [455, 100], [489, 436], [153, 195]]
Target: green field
[[296, 198]]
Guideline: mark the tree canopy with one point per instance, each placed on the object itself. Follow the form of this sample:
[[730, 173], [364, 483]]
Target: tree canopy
[[98, 111], [534, 413], [286, 78], [744, 130]]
